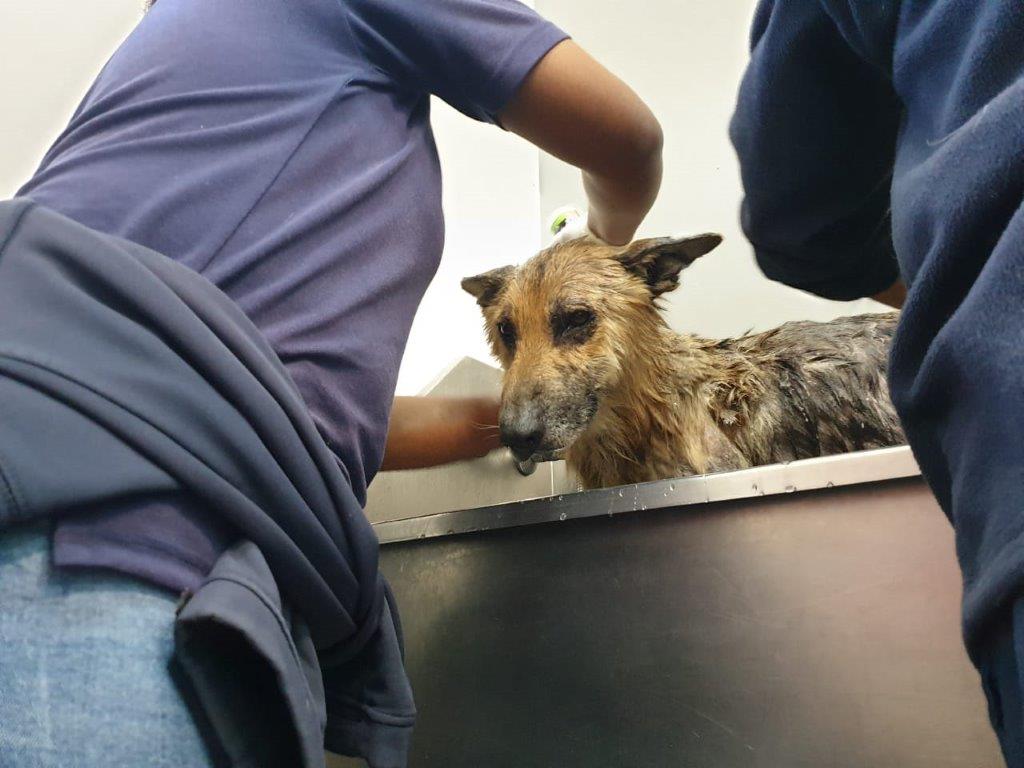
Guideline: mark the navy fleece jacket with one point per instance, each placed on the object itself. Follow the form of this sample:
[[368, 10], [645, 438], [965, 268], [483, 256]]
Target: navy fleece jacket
[[872, 130]]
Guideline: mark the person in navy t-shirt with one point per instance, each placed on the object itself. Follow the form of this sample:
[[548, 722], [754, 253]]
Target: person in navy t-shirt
[[283, 150]]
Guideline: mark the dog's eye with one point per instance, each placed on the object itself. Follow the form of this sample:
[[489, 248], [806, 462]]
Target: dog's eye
[[575, 325], [507, 331], [578, 318]]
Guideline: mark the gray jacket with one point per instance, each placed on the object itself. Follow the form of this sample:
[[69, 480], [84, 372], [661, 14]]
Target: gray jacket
[[122, 371]]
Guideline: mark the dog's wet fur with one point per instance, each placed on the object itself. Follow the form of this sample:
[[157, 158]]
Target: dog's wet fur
[[593, 373]]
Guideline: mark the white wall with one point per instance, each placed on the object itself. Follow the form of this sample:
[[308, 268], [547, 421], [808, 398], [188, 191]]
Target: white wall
[[50, 51], [685, 60]]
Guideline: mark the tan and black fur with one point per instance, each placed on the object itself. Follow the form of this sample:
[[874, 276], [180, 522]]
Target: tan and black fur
[[594, 374]]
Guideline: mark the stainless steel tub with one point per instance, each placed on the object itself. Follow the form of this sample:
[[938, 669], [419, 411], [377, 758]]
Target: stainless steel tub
[[797, 615]]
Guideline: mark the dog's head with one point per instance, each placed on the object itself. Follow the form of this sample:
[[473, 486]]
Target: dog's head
[[564, 325]]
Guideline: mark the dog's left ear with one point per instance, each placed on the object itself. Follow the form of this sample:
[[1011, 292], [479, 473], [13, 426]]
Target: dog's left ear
[[659, 260]]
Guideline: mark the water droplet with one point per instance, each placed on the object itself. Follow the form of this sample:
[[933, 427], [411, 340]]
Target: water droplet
[[790, 489], [620, 493], [830, 484], [754, 486], [559, 498], [643, 506], [671, 486], [562, 516]]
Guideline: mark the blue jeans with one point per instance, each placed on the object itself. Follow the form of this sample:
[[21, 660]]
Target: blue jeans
[[85, 675]]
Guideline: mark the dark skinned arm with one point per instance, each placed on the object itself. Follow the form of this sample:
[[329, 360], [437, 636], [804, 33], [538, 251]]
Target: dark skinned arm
[[573, 108], [430, 431], [893, 296]]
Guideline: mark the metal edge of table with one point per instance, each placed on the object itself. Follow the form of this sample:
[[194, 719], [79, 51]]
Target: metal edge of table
[[771, 480]]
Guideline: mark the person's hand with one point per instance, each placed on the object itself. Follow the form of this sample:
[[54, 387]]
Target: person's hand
[[431, 431], [893, 296], [568, 223]]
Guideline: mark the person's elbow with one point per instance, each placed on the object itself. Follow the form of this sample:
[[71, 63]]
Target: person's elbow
[[839, 263], [576, 110], [648, 140], [637, 150]]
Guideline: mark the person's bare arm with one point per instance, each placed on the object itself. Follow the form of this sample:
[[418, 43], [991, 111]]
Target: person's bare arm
[[893, 296], [578, 111], [430, 431]]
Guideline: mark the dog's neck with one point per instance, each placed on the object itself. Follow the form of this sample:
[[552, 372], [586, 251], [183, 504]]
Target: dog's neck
[[655, 422]]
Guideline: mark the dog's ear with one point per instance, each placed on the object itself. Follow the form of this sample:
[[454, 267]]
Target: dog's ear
[[659, 260], [485, 287]]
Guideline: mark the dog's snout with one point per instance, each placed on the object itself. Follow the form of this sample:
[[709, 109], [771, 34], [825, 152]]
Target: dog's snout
[[523, 444], [522, 433]]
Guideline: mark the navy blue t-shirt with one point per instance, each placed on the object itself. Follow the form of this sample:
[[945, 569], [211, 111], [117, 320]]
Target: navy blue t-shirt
[[283, 149]]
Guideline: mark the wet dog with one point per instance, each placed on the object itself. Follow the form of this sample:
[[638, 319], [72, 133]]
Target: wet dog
[[593, 374]]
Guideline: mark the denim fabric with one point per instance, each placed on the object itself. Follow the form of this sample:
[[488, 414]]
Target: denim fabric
[[85, 677]]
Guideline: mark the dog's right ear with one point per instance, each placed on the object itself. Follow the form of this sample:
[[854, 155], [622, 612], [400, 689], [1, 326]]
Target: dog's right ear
[[486, 286]]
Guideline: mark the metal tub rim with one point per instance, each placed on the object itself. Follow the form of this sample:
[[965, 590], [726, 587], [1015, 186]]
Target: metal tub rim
[[771, 480]]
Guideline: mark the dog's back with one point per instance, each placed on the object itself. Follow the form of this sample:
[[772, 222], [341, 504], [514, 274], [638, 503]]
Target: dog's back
[[808, 389]]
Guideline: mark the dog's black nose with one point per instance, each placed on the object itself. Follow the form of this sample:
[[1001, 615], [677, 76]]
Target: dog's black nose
[[523, 442]]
